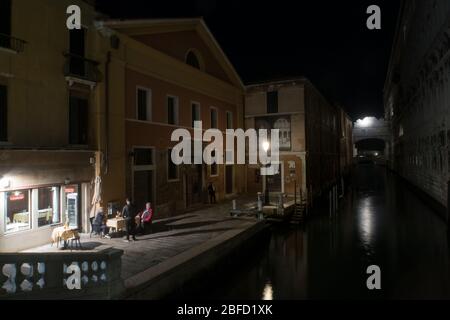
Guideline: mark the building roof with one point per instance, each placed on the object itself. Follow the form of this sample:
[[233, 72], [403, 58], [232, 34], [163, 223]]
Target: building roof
[[153, 26], [278, 81]]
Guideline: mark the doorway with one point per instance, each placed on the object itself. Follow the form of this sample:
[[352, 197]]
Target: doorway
[[142, 188], [275, 182], [194, 185]]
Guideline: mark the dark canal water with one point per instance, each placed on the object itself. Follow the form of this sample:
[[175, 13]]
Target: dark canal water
[[381, 222]]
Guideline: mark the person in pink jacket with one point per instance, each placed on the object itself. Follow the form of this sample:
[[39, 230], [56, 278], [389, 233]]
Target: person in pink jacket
[[146, 218]]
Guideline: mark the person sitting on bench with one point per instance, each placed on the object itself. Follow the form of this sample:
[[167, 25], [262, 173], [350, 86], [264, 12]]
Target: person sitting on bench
[[146, 219], [99, 224]]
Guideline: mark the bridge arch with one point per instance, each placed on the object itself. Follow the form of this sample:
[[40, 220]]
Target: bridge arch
[[371, 129]]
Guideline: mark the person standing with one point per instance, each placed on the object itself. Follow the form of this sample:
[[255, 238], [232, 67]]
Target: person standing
[[129, 214], [212, 193]]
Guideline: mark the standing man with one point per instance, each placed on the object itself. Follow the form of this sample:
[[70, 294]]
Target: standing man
[[129, 214], [212, 193]]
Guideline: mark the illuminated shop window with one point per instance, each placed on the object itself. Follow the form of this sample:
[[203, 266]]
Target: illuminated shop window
[[48, 206], [17, 210]]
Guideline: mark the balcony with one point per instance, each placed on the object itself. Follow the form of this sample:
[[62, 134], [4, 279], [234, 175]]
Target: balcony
[[80, 70], [11, 44]]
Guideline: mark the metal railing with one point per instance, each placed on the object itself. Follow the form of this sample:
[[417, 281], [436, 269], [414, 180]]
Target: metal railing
[[81, 67], [9, 42], [61, 275]]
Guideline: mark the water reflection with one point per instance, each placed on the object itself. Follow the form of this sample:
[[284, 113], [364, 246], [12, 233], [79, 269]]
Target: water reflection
[[380, 222], [267, 292], [366, 221]]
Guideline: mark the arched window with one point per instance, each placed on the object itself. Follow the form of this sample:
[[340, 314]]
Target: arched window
[[193, 60]]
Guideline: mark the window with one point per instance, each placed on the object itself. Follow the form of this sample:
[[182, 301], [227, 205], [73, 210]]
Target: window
[[143, 156], [5, 23], [195, 109], [229, 120], [17, 210], [77, 52], [213, 118], [76, 42], [3, 113], [143, 104], [192, 60], [172, 110], [272, 102], [214, 164], [48, 206], [78, 120], [172, 169], [229, 156]]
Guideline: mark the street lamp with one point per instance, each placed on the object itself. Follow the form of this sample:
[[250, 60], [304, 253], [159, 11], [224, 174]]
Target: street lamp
[[265, 146]]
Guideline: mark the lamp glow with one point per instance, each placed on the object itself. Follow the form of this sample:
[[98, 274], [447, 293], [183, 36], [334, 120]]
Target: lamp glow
[[366, 122], [4, 183], [265, 145]]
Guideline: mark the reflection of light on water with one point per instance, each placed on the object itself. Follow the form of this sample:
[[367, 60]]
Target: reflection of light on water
[[366, 223], [268, 292]]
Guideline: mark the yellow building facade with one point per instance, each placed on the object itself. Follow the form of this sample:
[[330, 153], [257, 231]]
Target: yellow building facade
[[72, 138], [50, 93]]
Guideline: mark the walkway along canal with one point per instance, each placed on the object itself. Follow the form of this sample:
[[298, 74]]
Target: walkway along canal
[[381, 221]]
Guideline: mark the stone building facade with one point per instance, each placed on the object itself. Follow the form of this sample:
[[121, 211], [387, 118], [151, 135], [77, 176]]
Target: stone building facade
[[345, 144], [417, 95], [166, 74], [310, 137], [51, 81]]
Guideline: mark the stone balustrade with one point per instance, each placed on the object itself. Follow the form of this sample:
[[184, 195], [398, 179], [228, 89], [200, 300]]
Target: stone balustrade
[[61, 275]]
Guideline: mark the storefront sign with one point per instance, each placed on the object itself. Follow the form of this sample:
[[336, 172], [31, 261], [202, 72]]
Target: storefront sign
[[16, 197]]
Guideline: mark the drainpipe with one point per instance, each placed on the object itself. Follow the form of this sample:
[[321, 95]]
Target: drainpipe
[[108, 60]]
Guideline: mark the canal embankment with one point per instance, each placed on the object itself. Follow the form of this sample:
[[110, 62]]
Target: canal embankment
[[172, 274]]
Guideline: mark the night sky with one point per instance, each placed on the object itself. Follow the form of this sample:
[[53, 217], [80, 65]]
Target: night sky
[[326, 41]]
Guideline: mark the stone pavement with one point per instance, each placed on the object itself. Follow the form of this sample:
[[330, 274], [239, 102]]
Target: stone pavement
[[170, 236]]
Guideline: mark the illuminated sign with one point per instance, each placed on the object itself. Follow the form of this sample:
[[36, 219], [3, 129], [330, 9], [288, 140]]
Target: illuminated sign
[[16, 197]]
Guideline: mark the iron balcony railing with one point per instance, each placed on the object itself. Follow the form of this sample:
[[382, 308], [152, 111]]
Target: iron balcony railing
[[6, 41], [80, 67]]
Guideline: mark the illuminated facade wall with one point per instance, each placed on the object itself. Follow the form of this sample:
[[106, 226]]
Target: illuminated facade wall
[[44, 160], [312, 159], [417, 95], [150, 74]]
